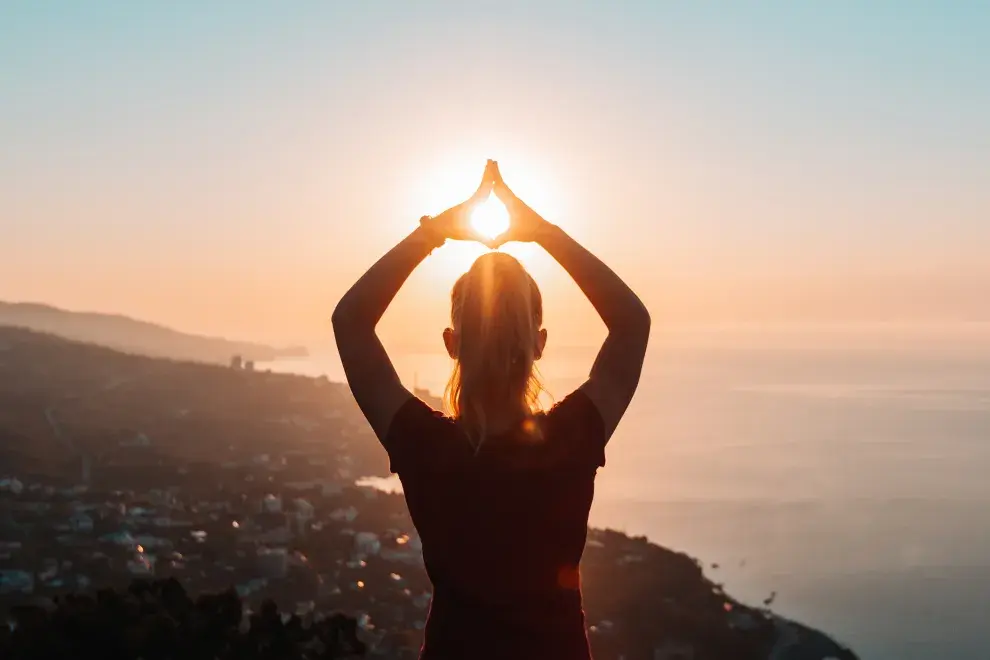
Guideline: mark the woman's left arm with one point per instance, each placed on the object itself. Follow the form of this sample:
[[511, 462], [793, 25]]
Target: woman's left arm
[[369, 371]]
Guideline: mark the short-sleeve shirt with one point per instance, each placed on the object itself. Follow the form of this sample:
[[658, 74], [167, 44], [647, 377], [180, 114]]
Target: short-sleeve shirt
[[503, 528]]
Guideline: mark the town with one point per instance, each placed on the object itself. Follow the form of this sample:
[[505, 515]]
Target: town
[[115, 467]]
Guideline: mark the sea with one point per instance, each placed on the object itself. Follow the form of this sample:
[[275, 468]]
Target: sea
[[843, 470]]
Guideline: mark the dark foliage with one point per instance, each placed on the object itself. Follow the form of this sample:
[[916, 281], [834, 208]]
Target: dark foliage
[[159, 621]]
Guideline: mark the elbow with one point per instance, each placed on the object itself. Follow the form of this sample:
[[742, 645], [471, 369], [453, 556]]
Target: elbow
[[342, 316], [643, 320], [636, 322], [346, 318], [636, 329], [632, 332]]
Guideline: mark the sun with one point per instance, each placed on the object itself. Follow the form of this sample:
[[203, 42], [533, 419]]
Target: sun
[[447, 183], [490, 218]]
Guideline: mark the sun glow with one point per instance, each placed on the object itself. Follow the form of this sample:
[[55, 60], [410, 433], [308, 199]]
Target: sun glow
[[490, 218], [454, 179]]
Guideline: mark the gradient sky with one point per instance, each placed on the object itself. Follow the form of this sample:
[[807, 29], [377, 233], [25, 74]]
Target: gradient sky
[[230, 167]]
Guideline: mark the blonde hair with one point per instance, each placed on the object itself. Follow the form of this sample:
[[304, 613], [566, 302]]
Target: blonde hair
[[496, 312]]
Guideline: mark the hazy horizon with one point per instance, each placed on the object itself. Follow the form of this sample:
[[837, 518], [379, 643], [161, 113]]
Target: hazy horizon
[[959, 336], [231, 169]]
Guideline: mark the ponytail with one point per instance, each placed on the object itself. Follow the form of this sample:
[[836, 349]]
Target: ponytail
[[497, 313]]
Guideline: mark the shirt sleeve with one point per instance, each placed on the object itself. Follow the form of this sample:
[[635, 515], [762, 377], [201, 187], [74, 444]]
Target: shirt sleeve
[[416, 435], [577, 423]]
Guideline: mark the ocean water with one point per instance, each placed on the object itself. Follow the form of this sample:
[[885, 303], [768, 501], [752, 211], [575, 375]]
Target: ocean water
[[844, 469]]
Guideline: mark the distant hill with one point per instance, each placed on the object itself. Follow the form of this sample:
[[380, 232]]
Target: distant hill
[[134, 336]]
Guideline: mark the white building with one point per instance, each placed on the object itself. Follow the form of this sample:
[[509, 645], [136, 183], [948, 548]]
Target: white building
[[349, 514], [80, 522], [271, 504], [366, 543], [119, 538], [304, 510]]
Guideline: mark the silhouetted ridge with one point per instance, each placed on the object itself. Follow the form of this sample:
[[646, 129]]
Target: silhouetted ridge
[[134, 336]]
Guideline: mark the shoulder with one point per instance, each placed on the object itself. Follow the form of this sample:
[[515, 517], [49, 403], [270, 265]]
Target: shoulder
[[576, 408], [418, 434], [415, 410], [576, 423]]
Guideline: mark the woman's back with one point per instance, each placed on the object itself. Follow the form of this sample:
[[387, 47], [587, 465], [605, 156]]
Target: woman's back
[[503, 529]]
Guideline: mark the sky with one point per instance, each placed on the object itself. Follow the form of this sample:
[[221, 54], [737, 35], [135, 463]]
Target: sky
[[231, 167]]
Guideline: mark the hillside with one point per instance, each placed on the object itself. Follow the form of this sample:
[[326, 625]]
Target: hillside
[[116, 466], [134, 336]]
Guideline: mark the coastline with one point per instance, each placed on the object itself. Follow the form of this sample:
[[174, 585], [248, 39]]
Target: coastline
[[220, 475], [790, 635]]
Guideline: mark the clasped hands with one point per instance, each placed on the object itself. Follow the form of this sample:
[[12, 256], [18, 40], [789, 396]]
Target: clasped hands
[[455, 223]]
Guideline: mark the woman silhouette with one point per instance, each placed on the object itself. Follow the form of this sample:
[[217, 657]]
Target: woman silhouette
[[499, 491]]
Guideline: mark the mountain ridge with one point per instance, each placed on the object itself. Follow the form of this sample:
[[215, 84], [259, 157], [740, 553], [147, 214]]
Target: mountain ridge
[[128, 334]]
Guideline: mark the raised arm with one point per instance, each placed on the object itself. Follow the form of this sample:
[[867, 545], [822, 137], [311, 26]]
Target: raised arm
[[616, 371], [369, 371]]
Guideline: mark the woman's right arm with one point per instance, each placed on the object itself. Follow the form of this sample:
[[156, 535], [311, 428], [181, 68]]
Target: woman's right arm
[[369, 371], [617, 368]]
